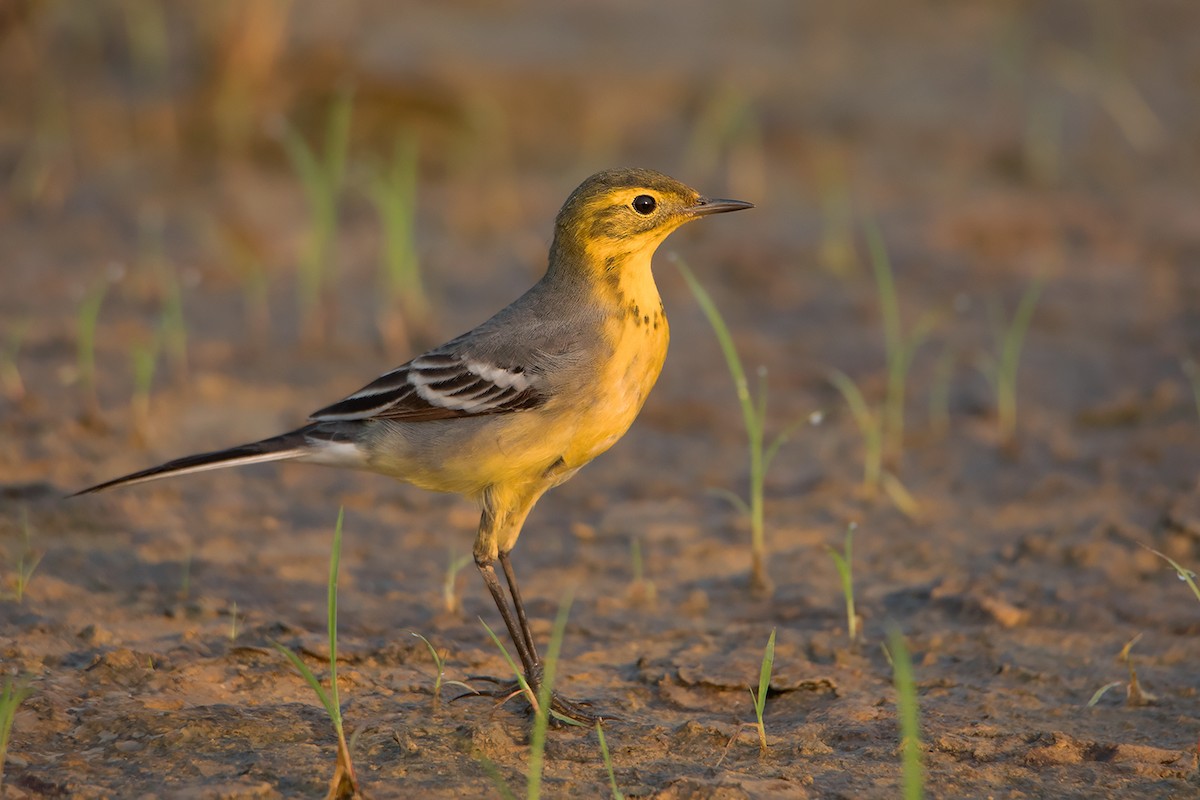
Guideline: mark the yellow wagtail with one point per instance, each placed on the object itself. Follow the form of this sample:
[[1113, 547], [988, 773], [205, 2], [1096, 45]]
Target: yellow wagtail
[[517, 405]]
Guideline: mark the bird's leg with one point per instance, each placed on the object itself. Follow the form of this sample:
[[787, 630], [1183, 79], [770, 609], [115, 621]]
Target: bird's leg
[[510, 576], [497, 533], [516, 630]]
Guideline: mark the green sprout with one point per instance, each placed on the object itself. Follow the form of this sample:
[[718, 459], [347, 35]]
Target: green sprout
[[759, 699], [754, 413], [394, 192], [642, 588], [908, 712], [870, 425], [344, 783], [842, 561], [764, 684], [27, 560], [608, 764], [145, 359], [440, 664], [322, 179], [12, 694], [1185, 575], [450, 597], [1001, 369], [87, 319], [174, 325], [900, 348]]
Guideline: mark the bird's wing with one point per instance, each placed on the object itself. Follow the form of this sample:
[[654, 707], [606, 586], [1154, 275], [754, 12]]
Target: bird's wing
[[438, 385]]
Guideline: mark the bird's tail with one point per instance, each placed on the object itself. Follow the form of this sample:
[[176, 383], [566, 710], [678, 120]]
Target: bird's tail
[[278, 448]]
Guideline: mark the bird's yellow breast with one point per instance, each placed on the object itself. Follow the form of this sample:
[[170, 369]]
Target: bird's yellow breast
[[638, 334]]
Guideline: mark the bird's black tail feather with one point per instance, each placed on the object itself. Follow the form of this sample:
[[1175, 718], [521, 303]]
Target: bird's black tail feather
[[277, 448]]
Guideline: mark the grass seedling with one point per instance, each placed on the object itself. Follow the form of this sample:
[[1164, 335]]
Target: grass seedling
[[1001, 368], [322, 178], [907, 710], [168, 287], [754, 414], [1135, 695], [1185, 575], [1192, 371], [344, 783], [27, 560], [764, 684], [233, 622], [759, 699], [836, 251], [173, 325], [440, 664], [641, 589], [870, 424], [87, 319], [451, 599], [537, 739], [842, 561], [394, 192], [608, 764], [10, 373], [899, 348], [12, 694], [145, 358]]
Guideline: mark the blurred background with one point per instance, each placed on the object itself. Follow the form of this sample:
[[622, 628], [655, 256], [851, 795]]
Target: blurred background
[[284, 157]]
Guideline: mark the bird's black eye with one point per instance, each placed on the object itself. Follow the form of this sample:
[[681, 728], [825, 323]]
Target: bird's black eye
[[644, 204]]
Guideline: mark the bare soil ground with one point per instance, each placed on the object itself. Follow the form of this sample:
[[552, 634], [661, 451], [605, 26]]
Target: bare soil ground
[[993, 143]]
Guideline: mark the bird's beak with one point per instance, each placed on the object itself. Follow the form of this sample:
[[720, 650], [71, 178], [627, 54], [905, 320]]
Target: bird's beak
[[705, 206]]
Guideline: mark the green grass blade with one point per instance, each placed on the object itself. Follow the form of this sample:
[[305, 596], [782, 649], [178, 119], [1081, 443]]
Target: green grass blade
[[725, 339], [497, 779], [1185, 575], [12, 694], [907, 711], [868, 424], [843, 562], [608, 764], [337, 139], [541, 721], [889, 306], [309, 678], [1099, 693], [89, 316], [335, 560], [732, 498], [764, 675], [512, 665]]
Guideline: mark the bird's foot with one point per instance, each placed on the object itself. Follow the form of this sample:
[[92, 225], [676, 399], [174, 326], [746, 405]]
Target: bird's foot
[[562, 710]]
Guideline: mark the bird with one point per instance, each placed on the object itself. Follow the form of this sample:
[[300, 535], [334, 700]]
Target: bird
[[518, 404]]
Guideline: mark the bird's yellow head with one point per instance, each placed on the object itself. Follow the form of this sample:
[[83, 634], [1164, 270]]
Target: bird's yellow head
[[622, 213]]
